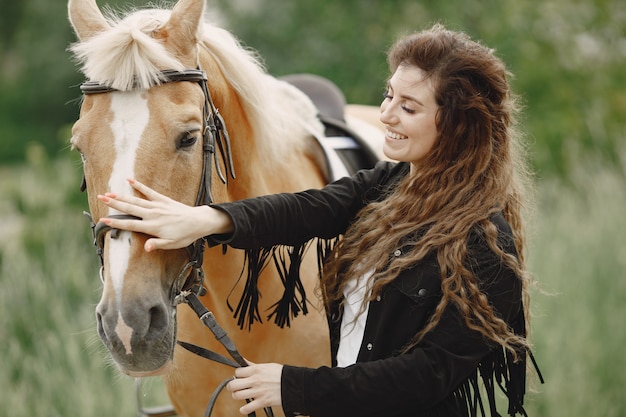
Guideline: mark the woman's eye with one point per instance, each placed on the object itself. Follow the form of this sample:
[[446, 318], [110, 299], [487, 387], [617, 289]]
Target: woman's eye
[[186, 140], [387, 95], [407, 109]]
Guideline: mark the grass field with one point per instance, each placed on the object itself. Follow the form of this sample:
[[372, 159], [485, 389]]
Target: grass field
[[53, 363]]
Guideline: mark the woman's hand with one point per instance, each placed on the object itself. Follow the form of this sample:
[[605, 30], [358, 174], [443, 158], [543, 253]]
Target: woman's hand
[[174, 225], [260, 384]]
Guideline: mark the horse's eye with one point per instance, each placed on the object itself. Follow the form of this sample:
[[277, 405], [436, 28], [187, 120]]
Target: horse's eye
[[82, 155], [187, 139]]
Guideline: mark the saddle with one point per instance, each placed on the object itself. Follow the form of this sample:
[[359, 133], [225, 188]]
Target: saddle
[[345, 150]]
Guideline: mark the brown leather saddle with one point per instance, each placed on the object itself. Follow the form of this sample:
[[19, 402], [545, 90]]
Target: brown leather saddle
[[348, 145]]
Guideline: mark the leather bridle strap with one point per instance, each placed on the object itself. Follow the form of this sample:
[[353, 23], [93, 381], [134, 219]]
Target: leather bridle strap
[[99, 229], [220, 334], [165, 76], [209, 321]]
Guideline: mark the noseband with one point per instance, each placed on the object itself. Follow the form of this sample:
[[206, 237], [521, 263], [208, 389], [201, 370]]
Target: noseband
[[191, 277]]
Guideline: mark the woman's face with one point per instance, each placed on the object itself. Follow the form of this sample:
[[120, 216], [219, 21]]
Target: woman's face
[[408, 112]]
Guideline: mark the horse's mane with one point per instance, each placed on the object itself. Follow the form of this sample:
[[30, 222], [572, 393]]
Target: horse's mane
[[126, 57]]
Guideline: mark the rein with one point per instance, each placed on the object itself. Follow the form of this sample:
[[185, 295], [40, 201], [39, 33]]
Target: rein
[[190, 281]]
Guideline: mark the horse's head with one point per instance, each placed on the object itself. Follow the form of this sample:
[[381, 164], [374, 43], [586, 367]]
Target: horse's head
[[138, 122], [144, 116]]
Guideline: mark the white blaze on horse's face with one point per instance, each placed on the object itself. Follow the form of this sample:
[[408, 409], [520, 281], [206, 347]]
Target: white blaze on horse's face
[[135, 315], [130, 118]]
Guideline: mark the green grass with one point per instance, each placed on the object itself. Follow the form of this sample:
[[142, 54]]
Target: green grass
[[54, 365], [52, 362], [579, 255]]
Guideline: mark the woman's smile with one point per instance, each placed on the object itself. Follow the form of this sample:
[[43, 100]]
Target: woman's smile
[[394, 136]]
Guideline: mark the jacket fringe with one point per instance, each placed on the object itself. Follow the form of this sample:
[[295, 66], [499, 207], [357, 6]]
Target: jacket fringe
[[287, 260], [475, 399], [293, 300], [499, 369], [247, 311]]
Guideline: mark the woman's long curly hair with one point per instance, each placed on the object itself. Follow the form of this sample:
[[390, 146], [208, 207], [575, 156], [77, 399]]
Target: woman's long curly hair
[[476, 168]]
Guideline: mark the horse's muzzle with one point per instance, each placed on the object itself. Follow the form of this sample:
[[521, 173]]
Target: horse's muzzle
[[140, 336]]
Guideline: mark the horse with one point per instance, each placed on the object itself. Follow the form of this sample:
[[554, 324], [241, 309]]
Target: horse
[[176, 102]]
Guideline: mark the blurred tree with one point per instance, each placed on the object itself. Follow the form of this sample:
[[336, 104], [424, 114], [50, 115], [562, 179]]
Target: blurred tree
[[38, 80], [10, 19], [568, 57]]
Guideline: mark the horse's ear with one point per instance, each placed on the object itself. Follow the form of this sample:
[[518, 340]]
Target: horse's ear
[[183, 27], [86, 18]]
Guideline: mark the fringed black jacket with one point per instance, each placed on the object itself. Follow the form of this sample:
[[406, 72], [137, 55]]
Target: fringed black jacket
[[452, 372]]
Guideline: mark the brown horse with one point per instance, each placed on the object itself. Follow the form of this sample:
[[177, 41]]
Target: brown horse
[[146, 120]]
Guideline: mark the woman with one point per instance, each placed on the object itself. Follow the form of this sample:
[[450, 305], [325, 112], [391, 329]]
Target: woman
[[426, 292]]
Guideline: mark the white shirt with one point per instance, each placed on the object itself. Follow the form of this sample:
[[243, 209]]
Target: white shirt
[[352, 331]]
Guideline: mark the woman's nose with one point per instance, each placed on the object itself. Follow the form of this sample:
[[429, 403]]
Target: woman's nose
[[386, 113]]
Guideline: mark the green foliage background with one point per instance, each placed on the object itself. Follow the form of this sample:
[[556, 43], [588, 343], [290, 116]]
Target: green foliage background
[[568, 57]]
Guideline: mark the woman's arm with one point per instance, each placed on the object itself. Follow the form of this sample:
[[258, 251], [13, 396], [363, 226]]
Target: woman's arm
[[295, 218], [174, 225], [288, 219]]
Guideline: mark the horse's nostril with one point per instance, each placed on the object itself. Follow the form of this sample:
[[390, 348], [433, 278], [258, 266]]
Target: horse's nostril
[[101, 331], [158, 320]]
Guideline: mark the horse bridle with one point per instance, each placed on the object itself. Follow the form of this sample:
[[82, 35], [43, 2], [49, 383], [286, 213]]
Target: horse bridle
[[191, 277], [190, 281]]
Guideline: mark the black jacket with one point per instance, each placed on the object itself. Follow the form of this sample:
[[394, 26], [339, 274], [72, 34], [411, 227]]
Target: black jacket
[[439, 376]]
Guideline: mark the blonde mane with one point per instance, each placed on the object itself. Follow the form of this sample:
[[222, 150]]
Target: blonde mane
[[126, 57]]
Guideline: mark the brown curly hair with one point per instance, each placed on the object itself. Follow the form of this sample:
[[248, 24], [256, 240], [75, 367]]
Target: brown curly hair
[[477, 167]]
